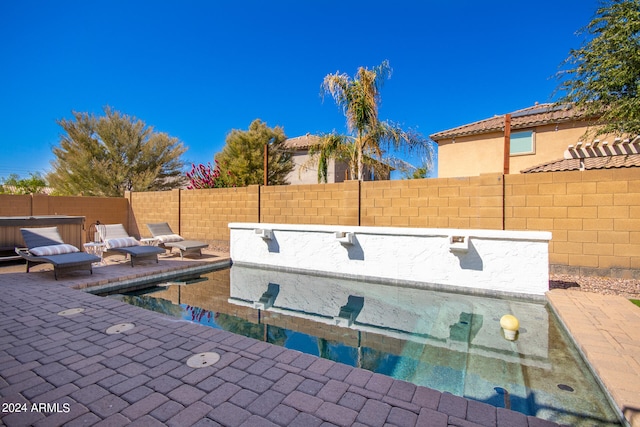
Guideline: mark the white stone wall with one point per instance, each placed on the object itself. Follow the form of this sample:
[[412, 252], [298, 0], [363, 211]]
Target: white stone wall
[[510, 262]]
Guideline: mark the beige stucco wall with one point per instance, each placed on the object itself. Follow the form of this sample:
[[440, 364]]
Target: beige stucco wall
[[305, 173], [480, 154], [470, 156], [300, 173]]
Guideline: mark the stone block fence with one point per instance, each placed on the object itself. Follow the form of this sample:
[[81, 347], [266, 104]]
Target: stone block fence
[[594, 216]]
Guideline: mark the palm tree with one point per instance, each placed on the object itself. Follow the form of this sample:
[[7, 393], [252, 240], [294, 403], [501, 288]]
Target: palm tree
[[359, 98], [331, 146]]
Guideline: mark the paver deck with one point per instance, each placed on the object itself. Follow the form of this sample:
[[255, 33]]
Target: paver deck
[[85, 376], [606, 328]]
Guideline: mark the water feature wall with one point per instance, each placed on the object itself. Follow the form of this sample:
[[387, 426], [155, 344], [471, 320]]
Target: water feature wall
[[478, 261]]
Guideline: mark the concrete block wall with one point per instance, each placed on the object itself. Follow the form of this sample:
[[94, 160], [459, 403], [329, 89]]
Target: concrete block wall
[[471, 202], [15, 205], [153, 206], [205, 214], [311, 204], [195, 214], [594, 217]]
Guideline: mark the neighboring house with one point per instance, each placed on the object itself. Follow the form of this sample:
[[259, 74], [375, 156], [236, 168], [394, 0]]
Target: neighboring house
[[597, 154], [535, 136], [306, 172]]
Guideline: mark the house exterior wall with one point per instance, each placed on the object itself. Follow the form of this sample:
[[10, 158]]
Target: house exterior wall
[[482, 154], [470, 155], [309, 174], [336, 171], [298, 175]]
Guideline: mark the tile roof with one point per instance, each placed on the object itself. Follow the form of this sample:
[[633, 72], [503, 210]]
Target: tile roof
[[536, 115], [588, 163], [301, 142]]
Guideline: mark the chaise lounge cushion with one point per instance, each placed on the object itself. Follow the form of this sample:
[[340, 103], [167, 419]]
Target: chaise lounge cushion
[[169, 238], [43, 236], [121, 242], [44, 245], [60, 249], [118, 240]]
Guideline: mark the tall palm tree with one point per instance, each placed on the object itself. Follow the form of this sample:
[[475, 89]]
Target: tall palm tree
[[359, 98], [331, 146]]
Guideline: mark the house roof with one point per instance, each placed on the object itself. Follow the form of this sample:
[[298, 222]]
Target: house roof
[[536, 115], [588, 163], [301, 142], [618, 153]]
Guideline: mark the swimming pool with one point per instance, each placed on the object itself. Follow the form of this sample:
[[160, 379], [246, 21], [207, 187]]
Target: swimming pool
[[447, 341]]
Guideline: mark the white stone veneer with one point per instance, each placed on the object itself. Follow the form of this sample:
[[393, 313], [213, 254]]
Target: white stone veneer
[[510, 262]]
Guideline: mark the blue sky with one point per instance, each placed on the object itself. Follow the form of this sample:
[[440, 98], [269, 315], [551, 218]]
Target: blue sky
[[196, 69]]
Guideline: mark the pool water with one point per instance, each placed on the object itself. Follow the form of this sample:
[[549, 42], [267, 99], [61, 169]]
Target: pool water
[[447, 341]]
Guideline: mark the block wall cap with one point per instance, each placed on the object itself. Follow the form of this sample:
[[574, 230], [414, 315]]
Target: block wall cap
[[399, 231]]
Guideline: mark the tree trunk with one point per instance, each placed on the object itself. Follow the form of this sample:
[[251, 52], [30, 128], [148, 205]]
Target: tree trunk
[[359, 154]]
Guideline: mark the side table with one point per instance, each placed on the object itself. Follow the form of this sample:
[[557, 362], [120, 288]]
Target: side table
[[97, 249]]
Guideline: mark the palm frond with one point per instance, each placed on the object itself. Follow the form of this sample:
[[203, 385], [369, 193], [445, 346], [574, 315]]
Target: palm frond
[[359, 98]]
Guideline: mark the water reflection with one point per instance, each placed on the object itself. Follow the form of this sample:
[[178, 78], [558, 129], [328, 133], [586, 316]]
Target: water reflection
[[451, 322]]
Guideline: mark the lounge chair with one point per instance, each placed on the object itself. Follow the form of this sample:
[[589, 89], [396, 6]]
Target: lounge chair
[[45, 246], [168, 239], [116, 239]]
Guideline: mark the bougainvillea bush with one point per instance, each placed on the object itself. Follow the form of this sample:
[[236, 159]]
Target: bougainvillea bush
[[206, 176]]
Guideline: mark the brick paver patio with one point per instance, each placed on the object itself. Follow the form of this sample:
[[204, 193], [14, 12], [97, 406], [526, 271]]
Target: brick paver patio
[[140, 376]]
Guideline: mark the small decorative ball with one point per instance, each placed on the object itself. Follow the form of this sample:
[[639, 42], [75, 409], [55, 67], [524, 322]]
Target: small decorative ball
[[510, 326], [509, 322]]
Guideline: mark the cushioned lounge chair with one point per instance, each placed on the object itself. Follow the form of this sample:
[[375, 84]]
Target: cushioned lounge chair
[[116, 239], [168, 239], [45, 246]]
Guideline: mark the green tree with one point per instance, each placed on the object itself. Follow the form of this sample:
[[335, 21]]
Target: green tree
[[409, 171], [359, 98], [602, 78], [243, 155], [16, 185], [114, 153]]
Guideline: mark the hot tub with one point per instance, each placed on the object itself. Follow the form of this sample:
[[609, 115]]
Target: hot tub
[[70, 228]]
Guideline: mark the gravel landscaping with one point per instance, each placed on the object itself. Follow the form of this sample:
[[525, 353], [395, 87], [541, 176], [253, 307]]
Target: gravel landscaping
[[628, 288]]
